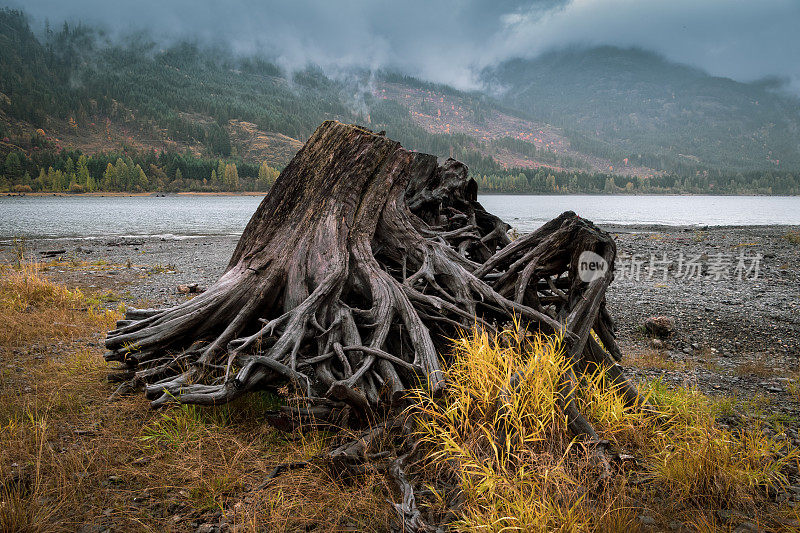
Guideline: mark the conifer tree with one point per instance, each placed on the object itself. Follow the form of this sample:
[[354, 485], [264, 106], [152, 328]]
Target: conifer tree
[[231, 177], [13, 165], [109, 177], [140, 179], [220, 172], [82, 174], [266, 176]]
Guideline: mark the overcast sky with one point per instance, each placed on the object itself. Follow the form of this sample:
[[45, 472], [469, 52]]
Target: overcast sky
[[450, 41]]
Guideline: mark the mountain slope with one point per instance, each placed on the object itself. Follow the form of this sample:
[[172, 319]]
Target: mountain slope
[[630, 103]]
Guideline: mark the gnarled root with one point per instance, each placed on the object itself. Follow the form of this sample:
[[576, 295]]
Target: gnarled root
[[350, 279]]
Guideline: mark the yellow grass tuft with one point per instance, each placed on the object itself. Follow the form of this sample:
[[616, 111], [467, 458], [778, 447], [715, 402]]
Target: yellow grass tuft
[[500, 431], [518, 470]]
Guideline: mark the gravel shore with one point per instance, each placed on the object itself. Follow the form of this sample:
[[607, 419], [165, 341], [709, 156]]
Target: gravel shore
[[732, 336]]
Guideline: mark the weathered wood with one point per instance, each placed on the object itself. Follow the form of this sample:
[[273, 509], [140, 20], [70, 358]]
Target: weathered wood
[[353, 272], [346, 286]]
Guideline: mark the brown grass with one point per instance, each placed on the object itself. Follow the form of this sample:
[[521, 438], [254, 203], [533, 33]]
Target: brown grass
[[33, 308], [792, 236], [651, 359], [69, 457], [758, 367]]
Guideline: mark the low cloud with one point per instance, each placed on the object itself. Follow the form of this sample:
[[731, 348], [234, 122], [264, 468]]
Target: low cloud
[[450, 41]]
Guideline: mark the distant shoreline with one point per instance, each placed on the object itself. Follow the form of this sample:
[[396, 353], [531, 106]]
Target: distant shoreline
[[132, 194], [264, 193], [616, 229]]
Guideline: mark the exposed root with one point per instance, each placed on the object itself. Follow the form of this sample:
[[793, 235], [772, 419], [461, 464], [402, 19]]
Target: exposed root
[[349, 281]]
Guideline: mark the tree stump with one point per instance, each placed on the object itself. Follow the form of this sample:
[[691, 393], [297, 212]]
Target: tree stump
[[354, 272]]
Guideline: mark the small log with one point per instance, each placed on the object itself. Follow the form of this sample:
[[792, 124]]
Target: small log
[[52, 253]]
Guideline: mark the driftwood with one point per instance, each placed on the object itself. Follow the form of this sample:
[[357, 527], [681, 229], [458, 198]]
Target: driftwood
[[347, 284]]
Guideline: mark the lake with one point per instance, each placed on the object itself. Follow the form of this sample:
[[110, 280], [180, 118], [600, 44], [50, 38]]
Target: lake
[[186, 216]]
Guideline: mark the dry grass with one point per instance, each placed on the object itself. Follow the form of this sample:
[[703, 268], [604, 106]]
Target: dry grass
[[34, 308], [756, 367], [517, 467], [519, 471], [69, 457], [651, 359], [792, 236]]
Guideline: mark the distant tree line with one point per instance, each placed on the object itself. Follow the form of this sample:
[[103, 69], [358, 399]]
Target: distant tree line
[[548, 181], [130, 171]]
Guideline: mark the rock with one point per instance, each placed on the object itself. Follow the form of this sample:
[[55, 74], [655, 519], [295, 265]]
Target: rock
[[92, 528], [659, 326], [121, 241], [191, 288], [724, 514], [207, 528], [658, 344], [646, 520]]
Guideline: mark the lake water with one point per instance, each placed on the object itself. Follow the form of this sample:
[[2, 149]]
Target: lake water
[[185, 216]]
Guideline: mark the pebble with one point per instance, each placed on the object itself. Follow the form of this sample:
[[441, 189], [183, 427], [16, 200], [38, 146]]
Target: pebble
[[647, 520]]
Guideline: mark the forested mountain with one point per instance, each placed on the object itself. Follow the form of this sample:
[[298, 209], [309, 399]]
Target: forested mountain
[[82, 112], [634, 104]]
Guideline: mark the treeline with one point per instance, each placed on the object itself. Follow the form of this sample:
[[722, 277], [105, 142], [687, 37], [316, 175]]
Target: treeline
[[131, 171], [75, 172], [547, 181]]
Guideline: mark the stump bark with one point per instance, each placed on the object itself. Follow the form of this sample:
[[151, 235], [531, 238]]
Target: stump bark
[[354, 272]]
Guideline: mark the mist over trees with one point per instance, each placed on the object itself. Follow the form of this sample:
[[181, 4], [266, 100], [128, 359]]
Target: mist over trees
[[77, 77]]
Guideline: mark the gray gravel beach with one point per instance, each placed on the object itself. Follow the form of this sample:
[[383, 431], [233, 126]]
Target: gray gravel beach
[[737, 336]]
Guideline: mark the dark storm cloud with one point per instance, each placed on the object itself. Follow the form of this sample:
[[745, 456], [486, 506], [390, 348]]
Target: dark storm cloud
[[449, 41]]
